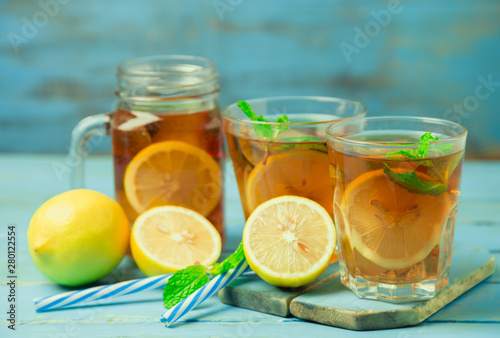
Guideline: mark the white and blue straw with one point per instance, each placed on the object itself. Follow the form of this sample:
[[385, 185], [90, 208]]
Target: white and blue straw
[[97, 293], [100, 292], [198, 297]]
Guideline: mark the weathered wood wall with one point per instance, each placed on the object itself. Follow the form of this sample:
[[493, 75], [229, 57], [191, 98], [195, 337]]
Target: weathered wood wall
[[429, 58]]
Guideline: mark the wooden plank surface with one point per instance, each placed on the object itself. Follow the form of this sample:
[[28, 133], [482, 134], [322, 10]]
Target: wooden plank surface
[[251, 292], [333, 304], [26, 181]]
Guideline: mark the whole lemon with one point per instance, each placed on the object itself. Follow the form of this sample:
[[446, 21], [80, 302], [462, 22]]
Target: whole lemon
[[78, 236]]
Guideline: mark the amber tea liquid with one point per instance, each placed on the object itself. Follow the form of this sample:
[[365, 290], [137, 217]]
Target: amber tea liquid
[[134, 132], [268, 169], [388, 233]]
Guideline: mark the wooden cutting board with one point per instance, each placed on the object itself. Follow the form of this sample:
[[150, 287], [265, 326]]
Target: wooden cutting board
[[328, 302]]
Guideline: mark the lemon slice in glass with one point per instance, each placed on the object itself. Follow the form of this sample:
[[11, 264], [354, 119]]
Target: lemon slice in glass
[[390, 226]]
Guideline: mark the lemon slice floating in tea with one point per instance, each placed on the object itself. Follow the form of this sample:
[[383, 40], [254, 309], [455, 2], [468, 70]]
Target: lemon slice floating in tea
[[289, 241], [173, 173], [168, 238], [294, 172], [390, 226]]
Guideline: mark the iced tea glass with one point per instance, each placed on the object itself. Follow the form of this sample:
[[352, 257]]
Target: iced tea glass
[[395, 199], [166, 136], [291, 161]]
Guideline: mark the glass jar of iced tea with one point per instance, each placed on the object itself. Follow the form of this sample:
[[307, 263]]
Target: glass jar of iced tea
[[166, 136]]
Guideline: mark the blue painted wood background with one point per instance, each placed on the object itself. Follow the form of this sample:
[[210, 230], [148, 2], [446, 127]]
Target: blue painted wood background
[[58, 58]]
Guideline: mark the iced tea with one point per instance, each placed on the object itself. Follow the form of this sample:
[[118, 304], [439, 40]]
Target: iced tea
[[273, 159], [395, 205], [166, 136], [268, 169], [171, 158]]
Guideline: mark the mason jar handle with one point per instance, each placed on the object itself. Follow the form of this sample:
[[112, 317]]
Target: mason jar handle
[[89, 127]]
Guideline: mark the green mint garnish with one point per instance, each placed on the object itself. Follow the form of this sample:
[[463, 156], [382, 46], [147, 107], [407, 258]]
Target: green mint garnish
[[440, 170], [266, 131], [270, 132], [411, 182], [183, 283], [421, 152], [444, 167], [303, 139], [186, 281], [229, 263]]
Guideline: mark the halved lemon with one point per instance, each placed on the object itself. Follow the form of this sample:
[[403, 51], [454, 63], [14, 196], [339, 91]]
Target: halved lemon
[[390, 226], [173, 173], [168, 238], [302, 173], [289, 241]]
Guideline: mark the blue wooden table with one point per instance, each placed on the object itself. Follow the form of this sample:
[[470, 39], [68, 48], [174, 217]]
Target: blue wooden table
[[26, 181]]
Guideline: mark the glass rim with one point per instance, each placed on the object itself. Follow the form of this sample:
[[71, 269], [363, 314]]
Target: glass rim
[[362, 111], [432, 120], [128, 68]]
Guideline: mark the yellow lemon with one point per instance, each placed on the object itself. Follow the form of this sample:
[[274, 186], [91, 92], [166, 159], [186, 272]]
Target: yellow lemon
[[390, 226], [173, 173], [78, 236], [169, 238], [297, 172], [289, 241]]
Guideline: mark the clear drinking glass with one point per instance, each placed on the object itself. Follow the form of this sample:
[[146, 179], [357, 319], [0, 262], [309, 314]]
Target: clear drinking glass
[[166, 136], [275, 159], [395, 203]]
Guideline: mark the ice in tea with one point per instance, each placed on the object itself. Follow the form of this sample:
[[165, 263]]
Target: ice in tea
[[168, 158]]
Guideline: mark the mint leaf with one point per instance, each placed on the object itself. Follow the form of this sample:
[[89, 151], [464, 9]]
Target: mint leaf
[[413, 154], [186, 281], [300, 143], [266, 131], [229, 263], [424, 144], [421, 152], [281, 128], [247, 110], [444, 167], [183, 283], [308, 138], [412, 183]]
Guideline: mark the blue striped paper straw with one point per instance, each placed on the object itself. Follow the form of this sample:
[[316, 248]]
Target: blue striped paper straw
[[198, 297], [100, 292]]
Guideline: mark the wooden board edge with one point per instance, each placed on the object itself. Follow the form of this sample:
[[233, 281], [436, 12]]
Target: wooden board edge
[[353, 320], [275, 306], [456, 290], [359, 321]]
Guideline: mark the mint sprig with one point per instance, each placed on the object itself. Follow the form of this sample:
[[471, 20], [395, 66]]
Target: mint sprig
[[412, 183], [423, 147], [186, 281], [229, 263], [183, 283], [300, 140], [270, 132], [267, 131]]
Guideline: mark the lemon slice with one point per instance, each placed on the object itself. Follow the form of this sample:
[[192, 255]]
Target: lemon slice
[[299, 173], [289, 241], [168, 238], [173, 173], [390, 226]]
